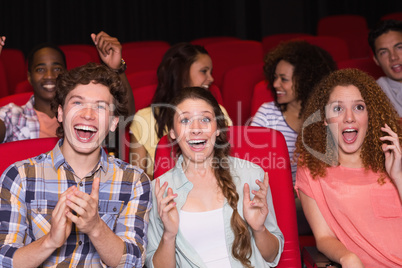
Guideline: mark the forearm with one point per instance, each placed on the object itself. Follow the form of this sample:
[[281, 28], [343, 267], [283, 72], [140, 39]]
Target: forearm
[[398, 185], [165, 254], [130, 96], [109, 246], [267, 244], [333, 249], [36, 252]]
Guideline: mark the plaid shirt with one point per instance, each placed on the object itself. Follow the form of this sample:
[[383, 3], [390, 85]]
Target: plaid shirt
[[21, 121], [29, 192]]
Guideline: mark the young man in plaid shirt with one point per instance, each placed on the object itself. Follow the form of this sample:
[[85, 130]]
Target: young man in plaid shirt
[[75, 206]]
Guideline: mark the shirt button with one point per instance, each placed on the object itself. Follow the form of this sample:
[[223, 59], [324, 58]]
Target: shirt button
[[39, 209], [80, 243], [114, 209], [81, 184]]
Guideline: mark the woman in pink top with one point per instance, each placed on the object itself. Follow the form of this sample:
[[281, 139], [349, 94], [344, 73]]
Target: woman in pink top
[[349, 175]]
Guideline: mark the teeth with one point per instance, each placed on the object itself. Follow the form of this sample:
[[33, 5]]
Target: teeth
[[205, 86], [350, 130], [280, 93], [86, 128], [196, 141], [49, 86]]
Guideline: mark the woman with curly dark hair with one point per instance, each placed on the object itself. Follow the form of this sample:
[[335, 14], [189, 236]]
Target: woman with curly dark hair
[[206, 217], [349, 175], [292, 70]]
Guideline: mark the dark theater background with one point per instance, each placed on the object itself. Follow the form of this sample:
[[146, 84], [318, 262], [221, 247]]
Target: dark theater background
[[27, 23]]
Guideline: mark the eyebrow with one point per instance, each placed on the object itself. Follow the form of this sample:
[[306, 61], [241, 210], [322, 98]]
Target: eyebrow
[[44, 64], [384, 48], [337, 101], [201, 112], [82, 98]]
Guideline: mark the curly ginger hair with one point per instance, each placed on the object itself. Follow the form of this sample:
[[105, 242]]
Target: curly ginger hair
[[315, 146]]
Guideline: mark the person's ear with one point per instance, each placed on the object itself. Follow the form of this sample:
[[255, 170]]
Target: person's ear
[[29, 78], [60, 114], [114, 124], [376, 61], [325, 122], [172, 134], [218, 133]]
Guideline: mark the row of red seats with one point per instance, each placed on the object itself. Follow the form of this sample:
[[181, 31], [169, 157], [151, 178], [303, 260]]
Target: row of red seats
[[344, 36]]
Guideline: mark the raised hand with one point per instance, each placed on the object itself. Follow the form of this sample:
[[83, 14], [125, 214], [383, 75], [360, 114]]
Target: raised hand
[[393, 155], [256, 211], [61, 226], [2, 42], [87, 219], [109, 49], [167, 209]]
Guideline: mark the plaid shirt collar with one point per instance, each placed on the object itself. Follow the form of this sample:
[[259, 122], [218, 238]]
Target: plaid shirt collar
[[58, 159]]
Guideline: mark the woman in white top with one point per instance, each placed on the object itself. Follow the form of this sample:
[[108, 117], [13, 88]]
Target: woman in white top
[[203, 213]]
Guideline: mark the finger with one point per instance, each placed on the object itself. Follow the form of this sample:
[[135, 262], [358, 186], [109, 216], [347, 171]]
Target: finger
[[72, 217], [169, 207], [246, 192], [159, 194], [75, 207], [95, 189], [266, 179], [93, 36], [391, 147], [387, 129]]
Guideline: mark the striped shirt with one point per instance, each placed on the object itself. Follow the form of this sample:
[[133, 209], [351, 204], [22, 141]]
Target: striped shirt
[[21, 122], [30, 189], [269, 115]]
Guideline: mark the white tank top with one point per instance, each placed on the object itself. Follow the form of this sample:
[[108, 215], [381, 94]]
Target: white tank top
[[206, 233]]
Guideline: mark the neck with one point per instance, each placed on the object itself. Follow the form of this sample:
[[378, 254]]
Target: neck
[[197, 169], [351, 161], [294, 108], [81, 163], [44, 107]]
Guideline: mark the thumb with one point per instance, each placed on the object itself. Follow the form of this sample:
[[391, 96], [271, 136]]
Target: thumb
[[95, 188]]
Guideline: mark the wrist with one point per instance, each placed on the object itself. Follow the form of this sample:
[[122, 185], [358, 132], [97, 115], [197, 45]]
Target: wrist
[[169, 237], [48, 244], [122, 68], [97, 231]]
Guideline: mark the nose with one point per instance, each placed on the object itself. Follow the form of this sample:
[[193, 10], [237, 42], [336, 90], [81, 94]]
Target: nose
[[276, 83], [211, 78], [88, 113], [349, 116], [195, 127], [50, 74], [394, 55]]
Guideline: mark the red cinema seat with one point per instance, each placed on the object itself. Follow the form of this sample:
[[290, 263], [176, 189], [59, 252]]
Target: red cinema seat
[[21, 150], [212, 39], [261, 94], [365, 64], [18, 99], [352, 29], [143, 55], [14, 63], [237, 90], [269, 42], [231, 54]]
